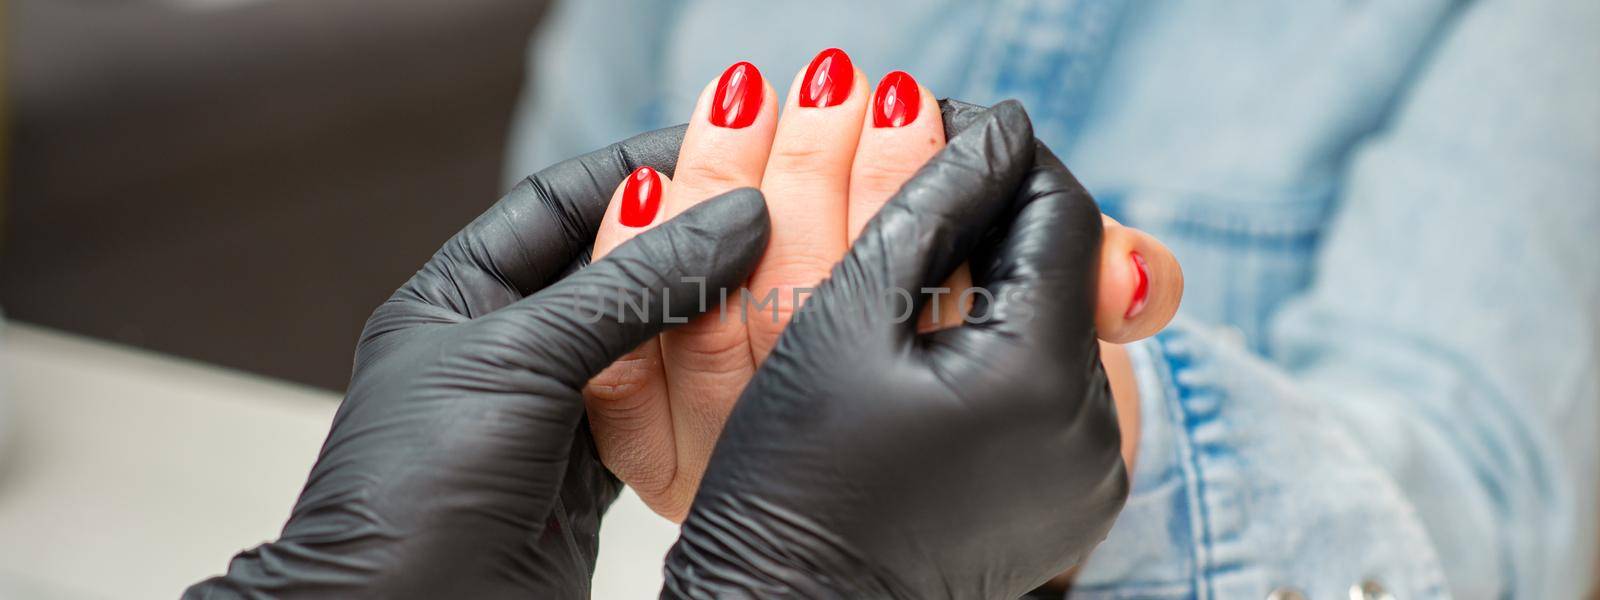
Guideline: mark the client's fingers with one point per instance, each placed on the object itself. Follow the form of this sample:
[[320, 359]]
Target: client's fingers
[[902, 131], [926, 230], [627, 402], [727, 140], [708, 361], [633, 210], [1141, 284], [806, 183]]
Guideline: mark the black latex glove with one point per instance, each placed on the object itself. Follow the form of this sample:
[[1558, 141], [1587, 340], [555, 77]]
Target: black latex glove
[[459, 465], [867, 461]]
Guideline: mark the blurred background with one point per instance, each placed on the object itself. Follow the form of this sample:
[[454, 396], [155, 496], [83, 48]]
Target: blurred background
[[202, 202], [171, 157]]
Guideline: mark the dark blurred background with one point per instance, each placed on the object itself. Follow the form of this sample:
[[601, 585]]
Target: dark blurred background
[[242, 181]]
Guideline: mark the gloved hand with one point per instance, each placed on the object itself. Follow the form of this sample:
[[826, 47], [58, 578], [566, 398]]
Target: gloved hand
[[459, 465], [867, 461]]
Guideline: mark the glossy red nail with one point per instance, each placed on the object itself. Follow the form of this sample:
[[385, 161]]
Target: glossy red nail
[[1142, 291], [897, 100], [828, 79], [641, 198], [738, 97]]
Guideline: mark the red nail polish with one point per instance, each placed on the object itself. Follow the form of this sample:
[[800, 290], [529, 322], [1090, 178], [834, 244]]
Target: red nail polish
[[828, 79], [897, 100], [738, 97], [641, 198], [1142, 291]]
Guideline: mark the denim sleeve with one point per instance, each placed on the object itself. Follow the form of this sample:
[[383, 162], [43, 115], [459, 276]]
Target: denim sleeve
[[1427, 414]]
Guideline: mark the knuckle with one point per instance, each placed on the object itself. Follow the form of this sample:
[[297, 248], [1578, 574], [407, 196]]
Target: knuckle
[[797, 263], [723, 353], [803, 160], [880, 176], [618, 389], [712, 177]]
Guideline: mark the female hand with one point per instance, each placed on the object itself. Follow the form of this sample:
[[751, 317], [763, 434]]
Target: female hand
[[837, 154]]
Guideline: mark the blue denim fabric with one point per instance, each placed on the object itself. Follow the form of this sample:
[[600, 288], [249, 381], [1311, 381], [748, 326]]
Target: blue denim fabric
[[1388, 213]]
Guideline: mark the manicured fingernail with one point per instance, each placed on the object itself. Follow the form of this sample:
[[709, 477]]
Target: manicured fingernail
[[1142, 291], [897, 100], [641, 198], [738, 97], [828, 79]]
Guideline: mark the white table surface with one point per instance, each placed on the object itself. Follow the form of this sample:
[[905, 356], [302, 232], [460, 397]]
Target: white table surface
[[130, 474]]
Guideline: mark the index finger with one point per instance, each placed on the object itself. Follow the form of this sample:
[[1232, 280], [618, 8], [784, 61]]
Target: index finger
[[527, 240]]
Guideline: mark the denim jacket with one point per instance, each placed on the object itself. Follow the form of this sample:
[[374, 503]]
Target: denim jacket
[[1384, 372]]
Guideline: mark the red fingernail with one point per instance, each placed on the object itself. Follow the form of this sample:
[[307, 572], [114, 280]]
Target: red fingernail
[[828, 79], [1140, 292], [897, 100], [641, 198], [738, 97]]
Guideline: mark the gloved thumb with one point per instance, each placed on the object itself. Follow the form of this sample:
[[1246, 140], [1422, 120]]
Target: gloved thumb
[[662, 278]]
